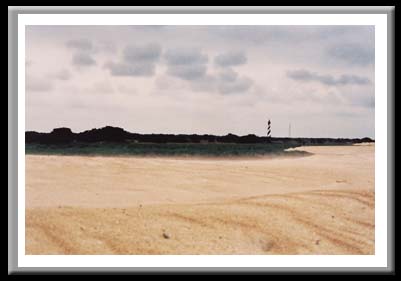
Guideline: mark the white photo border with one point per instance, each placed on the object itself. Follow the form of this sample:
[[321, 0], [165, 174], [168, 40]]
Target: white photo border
[[379, 259]]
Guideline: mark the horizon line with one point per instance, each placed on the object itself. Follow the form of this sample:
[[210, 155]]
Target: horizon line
[[265, 136]]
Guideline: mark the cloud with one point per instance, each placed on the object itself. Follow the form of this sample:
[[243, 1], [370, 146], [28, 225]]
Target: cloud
[[187, 64], [246, 34], [367, 101], [136, 61], [207, 83], [187, 72], [315, 45], [239, 85], [35, 84], [230, 59], [83, 55], [148, 27], [345, 79], [289, 34], [359, 97], [83, 59], [107, 47], [185, 57], [228, 75], [80, 44], [191, 65], [124, 69], [352, 80], [63, 74], [147, 53], [353, 54], [259, 34], [225, 82]]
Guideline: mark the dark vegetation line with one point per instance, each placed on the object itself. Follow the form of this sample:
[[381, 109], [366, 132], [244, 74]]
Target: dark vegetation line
[[116, 141], [119, 135]]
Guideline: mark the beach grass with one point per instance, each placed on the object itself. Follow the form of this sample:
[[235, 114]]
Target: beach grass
[[165, 149]]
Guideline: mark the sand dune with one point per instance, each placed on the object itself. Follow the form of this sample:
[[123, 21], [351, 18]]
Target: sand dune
[[320, 204]]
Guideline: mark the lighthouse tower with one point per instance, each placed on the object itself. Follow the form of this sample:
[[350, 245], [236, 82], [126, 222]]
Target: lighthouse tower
[[268, 129]]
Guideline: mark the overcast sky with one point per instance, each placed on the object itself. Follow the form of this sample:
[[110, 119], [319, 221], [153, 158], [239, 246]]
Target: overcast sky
[[202, 79]]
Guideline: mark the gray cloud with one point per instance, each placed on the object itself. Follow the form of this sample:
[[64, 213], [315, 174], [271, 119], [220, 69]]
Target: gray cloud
[[83, 59], [228, 75], [230, 59], [369, 102], [187, 72], [365, 101], [107, 46], [262, 34], [288, 34], [148, 28], [321, 45], [187, 64], [246, 34], [185, 57], [191, 65], [206, 83], [136, 61], [307, 76], [124, 69], [148, 53], [239, 85], [226, 82], [353, 54], [352, 79], [360, 98], [81, 44]]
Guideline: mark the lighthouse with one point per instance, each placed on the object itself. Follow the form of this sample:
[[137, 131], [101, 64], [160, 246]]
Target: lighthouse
[[268, 129]]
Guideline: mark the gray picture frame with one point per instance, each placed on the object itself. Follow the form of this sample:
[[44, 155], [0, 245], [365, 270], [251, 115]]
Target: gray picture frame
[[13, 13]]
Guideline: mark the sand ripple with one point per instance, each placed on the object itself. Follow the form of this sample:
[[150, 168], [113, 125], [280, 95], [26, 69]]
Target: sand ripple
[[316, 222]]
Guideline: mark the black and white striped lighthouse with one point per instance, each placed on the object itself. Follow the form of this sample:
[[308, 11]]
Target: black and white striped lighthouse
[[268, 129]]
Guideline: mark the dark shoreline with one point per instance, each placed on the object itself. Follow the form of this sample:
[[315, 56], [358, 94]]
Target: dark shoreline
[[113, 141], [110, 134], [163, 150]]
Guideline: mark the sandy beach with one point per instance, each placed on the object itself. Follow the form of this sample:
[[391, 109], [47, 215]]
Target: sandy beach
[[318, 204]]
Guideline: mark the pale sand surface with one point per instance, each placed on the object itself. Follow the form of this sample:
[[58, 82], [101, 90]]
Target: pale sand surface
[[319, 204]]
